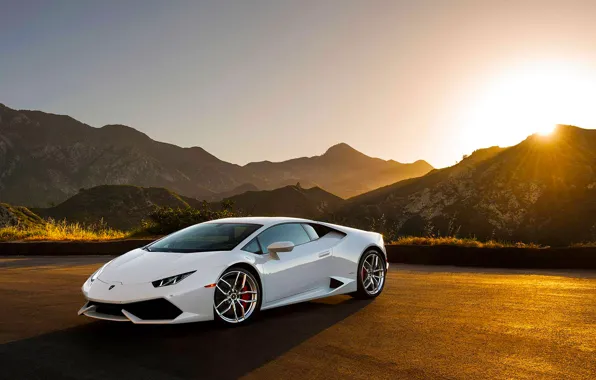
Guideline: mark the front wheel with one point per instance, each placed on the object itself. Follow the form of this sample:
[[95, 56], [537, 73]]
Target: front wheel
[[237, 297], [371, 275]]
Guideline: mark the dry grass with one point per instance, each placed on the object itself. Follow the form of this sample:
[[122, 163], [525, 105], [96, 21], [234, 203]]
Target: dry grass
[[61, 231], [586, 244], [462, 242]]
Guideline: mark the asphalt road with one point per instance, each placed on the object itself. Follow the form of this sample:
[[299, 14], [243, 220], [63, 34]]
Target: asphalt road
[[430, 323]]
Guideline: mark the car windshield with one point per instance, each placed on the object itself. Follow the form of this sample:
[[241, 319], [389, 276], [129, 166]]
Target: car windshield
[[205, 237]]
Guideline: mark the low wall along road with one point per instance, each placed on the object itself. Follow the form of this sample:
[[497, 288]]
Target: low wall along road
[[548, 258]]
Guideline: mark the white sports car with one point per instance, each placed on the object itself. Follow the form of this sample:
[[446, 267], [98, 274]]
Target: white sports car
[[230, 269]]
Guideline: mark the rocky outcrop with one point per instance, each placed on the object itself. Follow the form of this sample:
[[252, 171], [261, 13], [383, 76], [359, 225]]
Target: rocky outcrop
[[7, 218], [11, 216]]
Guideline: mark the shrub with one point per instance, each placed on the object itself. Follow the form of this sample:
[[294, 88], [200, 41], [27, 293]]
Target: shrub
[[165, 220]]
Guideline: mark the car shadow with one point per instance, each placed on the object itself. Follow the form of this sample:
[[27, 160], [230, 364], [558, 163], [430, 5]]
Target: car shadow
[[115, 350]]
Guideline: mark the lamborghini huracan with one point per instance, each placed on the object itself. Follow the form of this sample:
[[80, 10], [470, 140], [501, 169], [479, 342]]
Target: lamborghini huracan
[[231, 269]]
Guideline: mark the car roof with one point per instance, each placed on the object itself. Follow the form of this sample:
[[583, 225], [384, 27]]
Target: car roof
[[264, 220]]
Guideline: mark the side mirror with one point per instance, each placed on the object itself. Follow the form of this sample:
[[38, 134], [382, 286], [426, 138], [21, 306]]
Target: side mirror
[[279, 246]]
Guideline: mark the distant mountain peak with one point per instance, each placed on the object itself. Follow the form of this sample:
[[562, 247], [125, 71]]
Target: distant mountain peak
[[200, 152], [572, 129], [481, 154], [123, 130], [423, 163], [118, 127], [341, 149]]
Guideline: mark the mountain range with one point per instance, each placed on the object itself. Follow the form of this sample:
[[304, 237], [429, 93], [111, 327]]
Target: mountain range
[[541, 190], [46, 158]]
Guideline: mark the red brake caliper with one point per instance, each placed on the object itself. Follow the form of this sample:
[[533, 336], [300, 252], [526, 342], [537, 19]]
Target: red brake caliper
[[245, 296], [364, 273]]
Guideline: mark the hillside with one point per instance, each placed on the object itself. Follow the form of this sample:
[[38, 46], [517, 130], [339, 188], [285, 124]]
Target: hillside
[[122, 207], [11, 216], [235, 191], [286, 201], [46, 158], [541, 190]]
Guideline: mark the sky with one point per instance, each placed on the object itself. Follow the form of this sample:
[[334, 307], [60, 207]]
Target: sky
[[272, 80]]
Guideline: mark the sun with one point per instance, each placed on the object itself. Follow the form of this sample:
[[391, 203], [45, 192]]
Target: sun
[[523, 100], [546, 130]]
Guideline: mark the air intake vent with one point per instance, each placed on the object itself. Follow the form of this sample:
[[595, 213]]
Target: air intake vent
[[334, 284], [149, 310], [107, 308]]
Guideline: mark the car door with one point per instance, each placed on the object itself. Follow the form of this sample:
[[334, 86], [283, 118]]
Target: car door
[[296, 271]]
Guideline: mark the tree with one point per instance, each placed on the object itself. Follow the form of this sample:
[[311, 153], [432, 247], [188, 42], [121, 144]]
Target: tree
[[227, 204]]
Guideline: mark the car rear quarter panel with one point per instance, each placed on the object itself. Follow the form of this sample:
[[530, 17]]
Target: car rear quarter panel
[[349, 250]]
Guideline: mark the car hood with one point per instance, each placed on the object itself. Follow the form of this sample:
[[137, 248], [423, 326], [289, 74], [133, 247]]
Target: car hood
[[140, 266]]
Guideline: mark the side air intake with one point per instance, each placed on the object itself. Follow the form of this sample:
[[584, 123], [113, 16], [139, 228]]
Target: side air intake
[[334, 284]]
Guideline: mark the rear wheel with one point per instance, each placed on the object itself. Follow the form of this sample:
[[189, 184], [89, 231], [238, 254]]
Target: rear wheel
[[237, 297], [371, 275]]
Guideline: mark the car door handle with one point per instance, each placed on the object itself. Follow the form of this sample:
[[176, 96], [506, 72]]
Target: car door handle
[[323, 254]]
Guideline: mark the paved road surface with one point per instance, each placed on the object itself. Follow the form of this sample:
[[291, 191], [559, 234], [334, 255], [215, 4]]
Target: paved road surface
[[430, 323]]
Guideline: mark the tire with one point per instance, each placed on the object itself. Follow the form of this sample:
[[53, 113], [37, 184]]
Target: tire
[[370, 287], [237, 297]]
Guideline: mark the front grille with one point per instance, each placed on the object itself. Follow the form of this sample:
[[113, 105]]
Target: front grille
[[149, 310]]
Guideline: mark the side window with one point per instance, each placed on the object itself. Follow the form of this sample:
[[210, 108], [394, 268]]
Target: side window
[[253, 247], [322, 230], [283, 232], [311, 231]]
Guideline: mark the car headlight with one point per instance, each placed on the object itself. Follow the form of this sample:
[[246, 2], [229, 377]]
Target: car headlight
[[172, 280], [96, 274]]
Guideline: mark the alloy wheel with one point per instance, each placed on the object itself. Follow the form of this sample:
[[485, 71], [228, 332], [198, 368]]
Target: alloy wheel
[[373, 273], [236, 296]]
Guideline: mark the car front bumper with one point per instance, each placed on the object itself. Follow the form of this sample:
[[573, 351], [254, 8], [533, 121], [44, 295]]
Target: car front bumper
[[145, 304]]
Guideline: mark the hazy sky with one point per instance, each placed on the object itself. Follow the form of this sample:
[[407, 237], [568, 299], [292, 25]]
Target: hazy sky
[[272, 80]]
